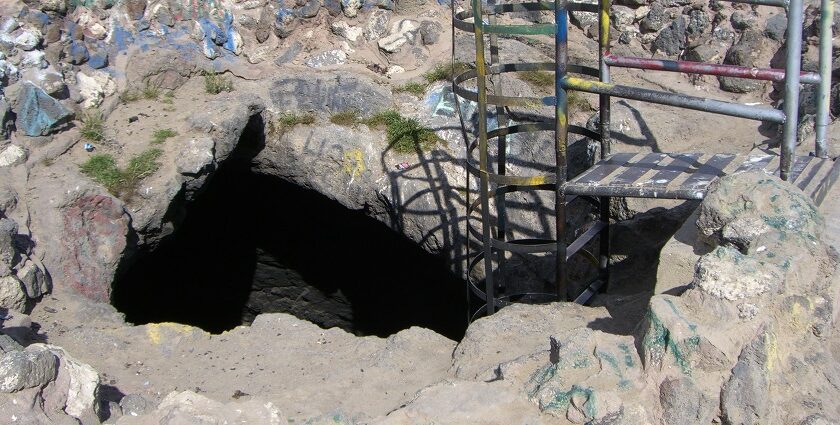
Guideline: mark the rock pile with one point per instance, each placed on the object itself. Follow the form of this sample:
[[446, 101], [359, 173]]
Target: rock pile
[[22, 277]]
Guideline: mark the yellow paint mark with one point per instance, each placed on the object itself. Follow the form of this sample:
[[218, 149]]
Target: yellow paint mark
[[586, 85], [153, 330], [605, 24], [772, 351], [354, 163]]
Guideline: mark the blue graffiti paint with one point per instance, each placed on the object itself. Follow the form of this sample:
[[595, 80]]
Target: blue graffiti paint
[[212, 32], [229, 32], [121, 38], [38, 112]]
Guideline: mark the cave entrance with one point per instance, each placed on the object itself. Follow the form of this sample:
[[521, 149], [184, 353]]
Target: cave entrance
[[252, 244]]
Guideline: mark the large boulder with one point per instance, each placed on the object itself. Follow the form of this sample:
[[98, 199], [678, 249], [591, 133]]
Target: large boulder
[[38, 114], [186, 407], [95, 236], [745, 52]]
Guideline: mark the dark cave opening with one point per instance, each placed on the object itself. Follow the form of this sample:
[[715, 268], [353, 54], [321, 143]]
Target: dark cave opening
[[253, 244]]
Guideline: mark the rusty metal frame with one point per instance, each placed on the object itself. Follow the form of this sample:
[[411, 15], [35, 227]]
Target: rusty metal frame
[[498, 183]]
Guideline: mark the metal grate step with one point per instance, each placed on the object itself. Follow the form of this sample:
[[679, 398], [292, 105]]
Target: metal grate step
[[688, 175]]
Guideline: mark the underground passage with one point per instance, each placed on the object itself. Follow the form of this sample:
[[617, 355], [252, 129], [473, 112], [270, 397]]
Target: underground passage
[[253, 244]]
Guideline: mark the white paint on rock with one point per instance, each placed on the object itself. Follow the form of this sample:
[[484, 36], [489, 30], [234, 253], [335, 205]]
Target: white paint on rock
[[12, 155]]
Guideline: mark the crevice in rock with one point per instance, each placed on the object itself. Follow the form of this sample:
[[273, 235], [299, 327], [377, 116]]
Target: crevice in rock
[[253, 243]]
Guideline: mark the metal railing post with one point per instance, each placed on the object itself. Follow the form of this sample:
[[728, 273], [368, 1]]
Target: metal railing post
[[606, 145], [561, 136], [824, 92], [481, 69], [793, 61]]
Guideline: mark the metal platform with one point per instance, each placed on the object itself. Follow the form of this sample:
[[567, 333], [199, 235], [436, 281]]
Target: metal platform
[[645, 175], [688, 175]]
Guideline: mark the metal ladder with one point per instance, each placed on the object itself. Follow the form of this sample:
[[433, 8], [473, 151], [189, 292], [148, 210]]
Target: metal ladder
[[656, 175]]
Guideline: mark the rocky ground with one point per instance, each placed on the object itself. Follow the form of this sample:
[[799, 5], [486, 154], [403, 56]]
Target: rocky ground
[[115, 115]]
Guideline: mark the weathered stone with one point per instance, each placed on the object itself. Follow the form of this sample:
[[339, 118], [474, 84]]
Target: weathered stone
[[213, 32], [78, 53], [382, 4], [8, 24], [329, 93], [284, 22], [655, 19], [8, 201], [26, 369], [94, 88], [135, 405], [12, 155], [197, 157], [744, 399], [8, 252], [744, 52], [98, 60], [327, 58], [683, 403], [698, 26], [775, 27], [12, 295], [351, 7], [8, 344], [703, 53], [6, 120], [38, 114], [742, 21], [34, 59], [264, 25], [333, 7], [28, 39], [135, 8], [166, 69], [587, 379], [671, 41], [401, 33], [185, 407], [584, 20], [728, 274], [289, 55], [622, 16], [34, 280], [256, 54], [377, 24], [672, 340], [76, 386], [429, 32], [343, 29], [757, 195], [309, 9], [95, 229]]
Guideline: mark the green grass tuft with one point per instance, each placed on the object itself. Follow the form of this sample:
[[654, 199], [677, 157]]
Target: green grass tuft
[[150, 92], [445, 72], [103, 169], [577, 102], [129, 96], [413, 87], [538, 79], [93, 126], [160, 136], [291, 119], [216, 83], [142, 165], [405, 135], [346, 118]]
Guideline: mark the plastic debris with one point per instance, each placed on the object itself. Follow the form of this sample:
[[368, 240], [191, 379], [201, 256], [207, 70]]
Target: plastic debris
[[402, 166], [89, 147]]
